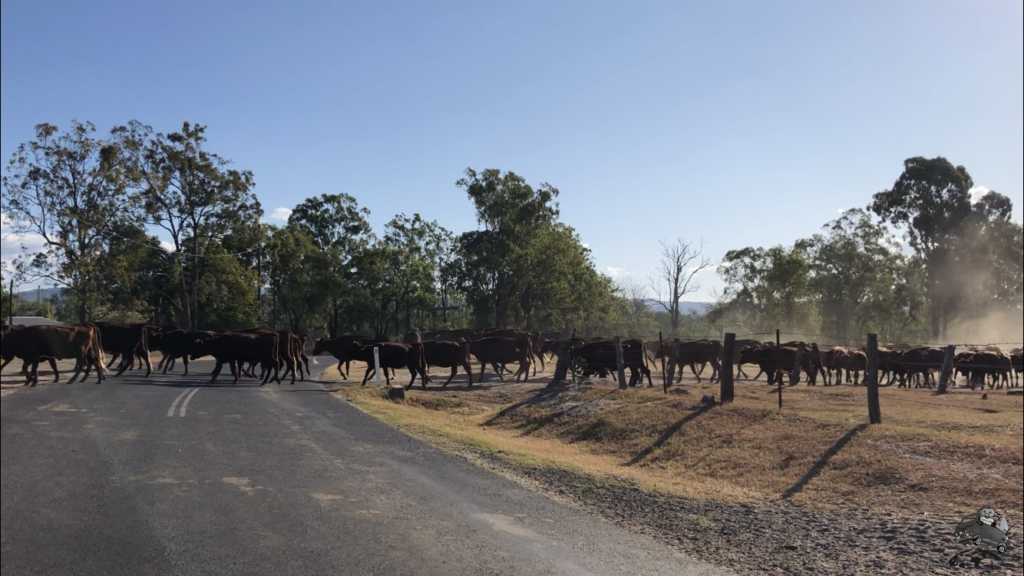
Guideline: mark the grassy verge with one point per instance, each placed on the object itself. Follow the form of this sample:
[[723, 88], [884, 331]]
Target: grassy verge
[[946, 454]]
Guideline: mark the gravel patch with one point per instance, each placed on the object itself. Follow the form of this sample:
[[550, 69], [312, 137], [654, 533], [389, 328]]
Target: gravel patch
[[780, 538]]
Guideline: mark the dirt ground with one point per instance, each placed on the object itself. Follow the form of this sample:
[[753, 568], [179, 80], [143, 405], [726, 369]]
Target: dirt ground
[[669, 465]]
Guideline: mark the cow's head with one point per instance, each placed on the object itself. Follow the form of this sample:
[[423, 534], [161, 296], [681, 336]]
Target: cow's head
[[197, 348], [318, 347]]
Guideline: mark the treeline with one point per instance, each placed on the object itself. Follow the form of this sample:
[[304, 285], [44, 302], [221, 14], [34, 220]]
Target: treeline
[[963, 265], [94, 201]]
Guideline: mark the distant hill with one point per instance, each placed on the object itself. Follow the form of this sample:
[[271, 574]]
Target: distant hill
[[684, 307], [44, 293]]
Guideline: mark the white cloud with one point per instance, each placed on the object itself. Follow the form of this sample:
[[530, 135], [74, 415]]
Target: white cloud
[[587, 246], [616, 272], [167, 246], [977, 193], [14, 245], [281, 214]]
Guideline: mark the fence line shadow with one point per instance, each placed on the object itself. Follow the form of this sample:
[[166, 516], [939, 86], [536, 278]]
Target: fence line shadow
[[822, 462], [668, 434], [542, 394]]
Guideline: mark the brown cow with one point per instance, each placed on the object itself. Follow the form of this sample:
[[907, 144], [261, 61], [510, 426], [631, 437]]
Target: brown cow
[[921, 364], [448, 355], [392, 356], [341, 348], [122, 341], [289, 350], [235, 349], [779, 361], [519, 335], [452, 335], [495, 351], [601, 359], [83, 342], [7, 359], [174, 344]]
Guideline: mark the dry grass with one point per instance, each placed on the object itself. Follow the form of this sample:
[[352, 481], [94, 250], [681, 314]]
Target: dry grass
[[945, 454]]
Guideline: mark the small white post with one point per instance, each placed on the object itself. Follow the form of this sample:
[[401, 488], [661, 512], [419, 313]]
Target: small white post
[[376, 362]]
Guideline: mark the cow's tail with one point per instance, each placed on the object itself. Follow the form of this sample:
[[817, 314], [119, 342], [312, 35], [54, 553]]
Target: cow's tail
[[97, 344], [421, 356], [306, 338]]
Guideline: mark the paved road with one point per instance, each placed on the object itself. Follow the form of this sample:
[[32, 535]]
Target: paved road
[[174, 476]]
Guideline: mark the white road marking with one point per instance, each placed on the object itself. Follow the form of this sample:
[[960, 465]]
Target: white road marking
[[170, 412], [188, 399]]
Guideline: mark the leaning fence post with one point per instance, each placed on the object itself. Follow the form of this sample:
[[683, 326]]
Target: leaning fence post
[[777, 373], [947, 369], [619, 364], [726, 381], [874, 410]]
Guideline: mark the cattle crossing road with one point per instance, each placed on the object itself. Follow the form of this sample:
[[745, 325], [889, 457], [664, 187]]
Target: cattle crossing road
[[176, 476]]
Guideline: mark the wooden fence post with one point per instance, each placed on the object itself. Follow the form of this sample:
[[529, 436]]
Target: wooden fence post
[[726, 380], [562, 366], [778, 364], [619, 364], [947, 369], [661, 350], [874, 410]]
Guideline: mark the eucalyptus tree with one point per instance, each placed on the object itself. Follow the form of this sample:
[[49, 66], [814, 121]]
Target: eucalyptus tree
[[67, 188], [193, 195]]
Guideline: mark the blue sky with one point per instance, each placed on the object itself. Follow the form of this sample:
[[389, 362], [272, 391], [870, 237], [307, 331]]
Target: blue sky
[[742, 123]]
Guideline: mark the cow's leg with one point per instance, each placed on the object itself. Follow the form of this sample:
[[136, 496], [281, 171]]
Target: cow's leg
[[6, 362], [469, 372], [123, 365], [33, 374], [455, 369], [148, 361], [483, 368], [499, 372], [266, 366], [340, 373], [367, 376], [219, 367], [695, 373], [412, 371], [85, 363]]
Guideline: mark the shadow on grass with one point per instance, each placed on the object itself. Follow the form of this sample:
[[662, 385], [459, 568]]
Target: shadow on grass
[[669, 433], [822, 462], [541, 396]]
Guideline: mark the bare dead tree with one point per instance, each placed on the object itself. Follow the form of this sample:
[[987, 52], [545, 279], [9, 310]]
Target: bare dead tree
[[634, 293], [676, 276]]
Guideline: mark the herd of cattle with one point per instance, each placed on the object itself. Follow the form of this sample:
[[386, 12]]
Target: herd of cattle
[[280, 354]]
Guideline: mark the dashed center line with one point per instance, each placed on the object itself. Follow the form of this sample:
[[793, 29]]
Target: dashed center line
[[187, 396]]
